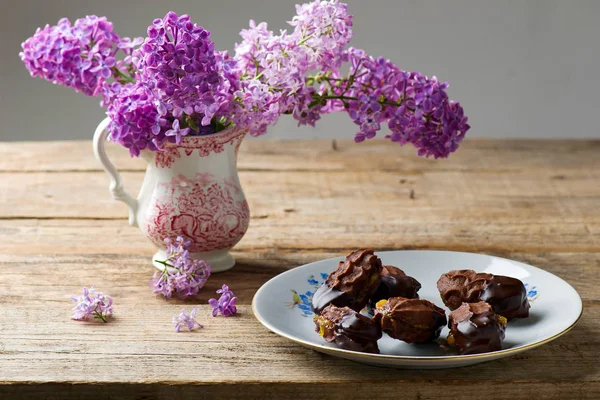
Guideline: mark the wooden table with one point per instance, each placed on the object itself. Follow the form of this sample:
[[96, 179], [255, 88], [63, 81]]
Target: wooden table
[[533, 201]]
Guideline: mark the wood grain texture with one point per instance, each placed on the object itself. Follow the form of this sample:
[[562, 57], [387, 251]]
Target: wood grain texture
[[483, 154], [534, 201], [423, 389]]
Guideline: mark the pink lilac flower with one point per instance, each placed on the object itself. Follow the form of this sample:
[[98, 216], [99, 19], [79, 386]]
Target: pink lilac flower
[[182, 277], [280, 64], [226, 303], [80, 56], [92, 304], [183, 320], [128, 45], [324, 29], [257, 107]]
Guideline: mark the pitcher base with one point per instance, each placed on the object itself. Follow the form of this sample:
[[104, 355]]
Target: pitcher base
[[219, 260]]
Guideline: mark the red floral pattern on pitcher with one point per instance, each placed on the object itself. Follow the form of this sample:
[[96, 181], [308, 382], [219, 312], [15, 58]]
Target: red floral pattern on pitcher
[[203, 144], [211, 213]]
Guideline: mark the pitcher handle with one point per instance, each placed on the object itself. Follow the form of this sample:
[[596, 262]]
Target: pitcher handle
[[116, 184]]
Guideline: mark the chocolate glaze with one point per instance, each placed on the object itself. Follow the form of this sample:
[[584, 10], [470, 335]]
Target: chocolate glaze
[[410, 320], [352, 283], [475, 328], [326, 295], [348, 329], [506, 295], [395, 283]]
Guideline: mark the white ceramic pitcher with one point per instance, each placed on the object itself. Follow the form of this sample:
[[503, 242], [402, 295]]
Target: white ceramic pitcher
[[190, 190]]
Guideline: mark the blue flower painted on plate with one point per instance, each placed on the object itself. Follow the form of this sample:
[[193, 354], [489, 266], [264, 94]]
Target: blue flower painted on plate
[[532, 292], [303, 301]]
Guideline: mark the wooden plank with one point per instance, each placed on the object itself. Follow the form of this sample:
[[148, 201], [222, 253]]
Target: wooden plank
[[288, 233], [139, 345], [318, 155], [269, 235], [469, 195], [397, 388], [54, 277]]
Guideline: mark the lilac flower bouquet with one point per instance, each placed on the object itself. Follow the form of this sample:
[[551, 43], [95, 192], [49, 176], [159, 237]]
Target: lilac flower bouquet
[[173, 83]]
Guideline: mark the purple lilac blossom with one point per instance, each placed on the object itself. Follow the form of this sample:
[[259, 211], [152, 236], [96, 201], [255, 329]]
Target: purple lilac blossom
[[415, 108], [135, 122], [177, 131], [226, 303], [92, 304], [175, 84], [183, 320], [80, 56], [281, 63], [257, 107], [178, 65], [183, 87], [182, 277], [324, 29], [374, 92]]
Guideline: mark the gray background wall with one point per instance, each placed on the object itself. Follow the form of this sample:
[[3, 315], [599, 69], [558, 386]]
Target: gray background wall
[[521, 68]]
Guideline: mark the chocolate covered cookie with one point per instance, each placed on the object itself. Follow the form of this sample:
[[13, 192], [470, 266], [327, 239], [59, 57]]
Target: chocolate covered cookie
[[410, 320], [348, 329], [476, 328], [351, 284], [506, 295], [395, 283]]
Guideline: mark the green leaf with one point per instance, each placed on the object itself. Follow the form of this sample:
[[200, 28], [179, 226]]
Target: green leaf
[[192, 123]]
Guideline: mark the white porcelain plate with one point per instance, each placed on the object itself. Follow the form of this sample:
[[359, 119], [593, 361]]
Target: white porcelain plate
[[283, 306]]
